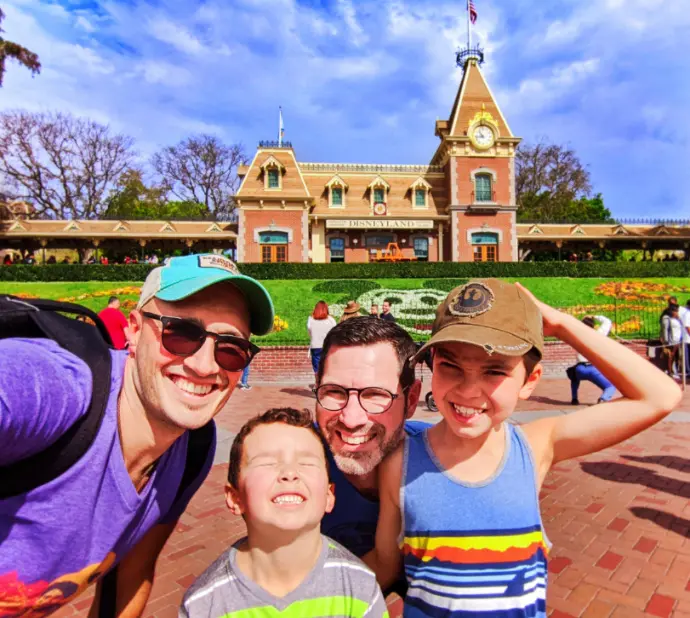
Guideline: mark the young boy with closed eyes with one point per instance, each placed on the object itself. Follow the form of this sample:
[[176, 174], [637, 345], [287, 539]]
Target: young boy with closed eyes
[[278, 482], [462, 497]]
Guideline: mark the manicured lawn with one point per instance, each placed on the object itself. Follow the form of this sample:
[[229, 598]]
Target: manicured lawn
[[414, 300]]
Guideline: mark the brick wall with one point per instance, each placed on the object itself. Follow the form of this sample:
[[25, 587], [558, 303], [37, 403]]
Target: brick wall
[[291, 364], [283, 219]]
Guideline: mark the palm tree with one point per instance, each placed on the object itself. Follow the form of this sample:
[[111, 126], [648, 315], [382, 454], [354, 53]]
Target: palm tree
[[8, 49]]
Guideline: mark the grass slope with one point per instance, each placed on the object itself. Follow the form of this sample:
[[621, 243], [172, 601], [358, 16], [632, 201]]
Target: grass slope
[[294, 300]]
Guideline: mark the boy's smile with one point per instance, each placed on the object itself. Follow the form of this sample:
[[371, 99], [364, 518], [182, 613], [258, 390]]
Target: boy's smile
[[476, 391], [283, 481]]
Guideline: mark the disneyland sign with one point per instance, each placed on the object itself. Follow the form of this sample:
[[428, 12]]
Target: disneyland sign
[[378, 224]]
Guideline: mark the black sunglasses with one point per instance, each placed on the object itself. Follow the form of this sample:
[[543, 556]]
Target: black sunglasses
[[183, 337]]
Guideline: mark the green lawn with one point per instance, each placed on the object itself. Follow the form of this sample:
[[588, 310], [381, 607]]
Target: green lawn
[[414, 300]]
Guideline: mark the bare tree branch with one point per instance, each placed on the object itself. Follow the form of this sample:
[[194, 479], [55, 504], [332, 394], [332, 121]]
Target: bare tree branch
[[201, 169], [64, 166]]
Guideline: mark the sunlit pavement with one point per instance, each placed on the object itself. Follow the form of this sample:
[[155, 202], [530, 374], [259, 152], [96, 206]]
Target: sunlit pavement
[[619, 520]]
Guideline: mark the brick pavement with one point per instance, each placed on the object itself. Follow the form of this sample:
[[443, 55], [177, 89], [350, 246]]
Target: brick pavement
[[619, 519]]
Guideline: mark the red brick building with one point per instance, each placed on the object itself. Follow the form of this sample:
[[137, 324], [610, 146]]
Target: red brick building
[[459, 207]]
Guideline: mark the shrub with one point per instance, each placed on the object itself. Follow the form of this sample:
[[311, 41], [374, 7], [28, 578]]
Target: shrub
[[415, 270]]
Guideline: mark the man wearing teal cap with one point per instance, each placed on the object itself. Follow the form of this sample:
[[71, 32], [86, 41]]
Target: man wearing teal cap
[[188, 345]]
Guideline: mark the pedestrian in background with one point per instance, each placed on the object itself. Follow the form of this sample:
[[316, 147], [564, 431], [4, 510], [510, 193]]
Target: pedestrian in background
[[351, 310], [671, 336], [318, 325], [116, 323], [584, 370]]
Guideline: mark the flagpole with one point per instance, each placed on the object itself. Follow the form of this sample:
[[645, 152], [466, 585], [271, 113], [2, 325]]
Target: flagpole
[[469, 27], [280, 126]]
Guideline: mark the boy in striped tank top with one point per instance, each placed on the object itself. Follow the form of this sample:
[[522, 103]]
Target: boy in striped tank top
[[462, 498], [278, 481]]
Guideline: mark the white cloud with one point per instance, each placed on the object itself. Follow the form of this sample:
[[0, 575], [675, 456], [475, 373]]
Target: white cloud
[[176, 35], [349, 14], [84, 24], [164, 73]]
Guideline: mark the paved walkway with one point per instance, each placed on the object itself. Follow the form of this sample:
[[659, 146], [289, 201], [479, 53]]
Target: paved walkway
[[619, 519]]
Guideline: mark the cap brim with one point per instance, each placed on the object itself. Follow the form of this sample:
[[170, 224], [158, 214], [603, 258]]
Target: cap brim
[[261, 310], [489, 339]]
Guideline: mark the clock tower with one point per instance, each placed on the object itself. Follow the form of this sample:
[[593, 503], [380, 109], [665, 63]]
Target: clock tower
[[477, 152]]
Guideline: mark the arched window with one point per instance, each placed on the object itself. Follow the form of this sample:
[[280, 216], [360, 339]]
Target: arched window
[[485, 246], [482, 188], [273, 246], [337, 246]]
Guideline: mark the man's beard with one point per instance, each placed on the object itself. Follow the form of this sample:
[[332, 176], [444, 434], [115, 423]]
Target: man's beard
[[359, 464]]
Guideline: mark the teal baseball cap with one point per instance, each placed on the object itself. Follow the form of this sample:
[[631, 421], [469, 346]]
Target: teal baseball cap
[[180, 277]]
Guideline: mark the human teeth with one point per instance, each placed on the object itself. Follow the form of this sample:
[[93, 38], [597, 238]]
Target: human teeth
[[288, 499], [191, 387], [463, 411], [354, 440]]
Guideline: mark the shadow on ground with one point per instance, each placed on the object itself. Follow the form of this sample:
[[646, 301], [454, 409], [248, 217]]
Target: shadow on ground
[[622, 473], [663, 519]]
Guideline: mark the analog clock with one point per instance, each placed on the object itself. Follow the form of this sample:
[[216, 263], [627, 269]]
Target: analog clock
[[483, 136], [380, 208]]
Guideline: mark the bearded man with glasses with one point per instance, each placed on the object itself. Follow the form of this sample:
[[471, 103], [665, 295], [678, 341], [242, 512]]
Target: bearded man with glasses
[[365, 392], [117, 505]]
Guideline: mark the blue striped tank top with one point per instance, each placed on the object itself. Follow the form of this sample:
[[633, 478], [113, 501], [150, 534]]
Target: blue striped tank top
[[473, 549]]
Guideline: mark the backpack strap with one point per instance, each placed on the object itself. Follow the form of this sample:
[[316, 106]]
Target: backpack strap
[[199, 442], [41, 319]]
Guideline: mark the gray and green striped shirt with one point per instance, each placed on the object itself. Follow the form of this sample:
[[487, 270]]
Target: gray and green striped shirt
[[339, 586]]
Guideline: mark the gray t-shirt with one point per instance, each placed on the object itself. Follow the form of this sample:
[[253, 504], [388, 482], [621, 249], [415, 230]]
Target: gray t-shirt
[[339, 585]]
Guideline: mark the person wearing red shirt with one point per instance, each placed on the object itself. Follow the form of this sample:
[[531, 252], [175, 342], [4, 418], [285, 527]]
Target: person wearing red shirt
[[116, 323]]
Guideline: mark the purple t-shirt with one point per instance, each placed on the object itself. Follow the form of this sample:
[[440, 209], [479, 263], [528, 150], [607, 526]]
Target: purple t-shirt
[[59, 538]]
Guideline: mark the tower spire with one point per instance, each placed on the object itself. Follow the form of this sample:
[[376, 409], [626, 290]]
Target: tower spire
[[470, 53]]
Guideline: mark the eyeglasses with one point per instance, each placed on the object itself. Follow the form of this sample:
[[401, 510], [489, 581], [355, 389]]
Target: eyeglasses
[[183, 337], [374, 400]]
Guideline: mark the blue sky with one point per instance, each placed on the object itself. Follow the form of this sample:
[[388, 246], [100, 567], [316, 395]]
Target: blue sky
[[364, 81]]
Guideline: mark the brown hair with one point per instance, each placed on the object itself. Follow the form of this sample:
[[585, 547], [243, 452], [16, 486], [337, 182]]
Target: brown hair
[[588, 320], [368, 330], [286, 416], [531, 360], [320, 311]]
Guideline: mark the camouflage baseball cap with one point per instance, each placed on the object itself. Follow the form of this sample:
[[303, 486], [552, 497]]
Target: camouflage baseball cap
[[492, 314]]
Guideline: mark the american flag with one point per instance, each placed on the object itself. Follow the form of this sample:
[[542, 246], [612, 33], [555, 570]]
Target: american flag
[[473, 11]]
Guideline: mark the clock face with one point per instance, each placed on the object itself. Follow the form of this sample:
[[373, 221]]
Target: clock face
[[483, 136]]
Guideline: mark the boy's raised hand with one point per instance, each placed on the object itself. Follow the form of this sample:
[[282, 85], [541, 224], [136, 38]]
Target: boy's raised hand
[[551, 317]]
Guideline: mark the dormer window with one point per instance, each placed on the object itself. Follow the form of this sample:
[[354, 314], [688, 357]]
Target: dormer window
[[419, 193], [273, 171], [336, 187], [337, 196], [273, 179], [378, 189]]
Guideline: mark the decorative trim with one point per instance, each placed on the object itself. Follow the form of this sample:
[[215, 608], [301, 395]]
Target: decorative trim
[[484, 230], [420, 183], [271, 161], [337, 181], [379, 182], [271, 228], [484, 170], [370, 168], [240, 242], [577, 230], [305, 236], [535, 229]]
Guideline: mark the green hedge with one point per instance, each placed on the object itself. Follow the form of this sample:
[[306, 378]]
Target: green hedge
[[416, 270]]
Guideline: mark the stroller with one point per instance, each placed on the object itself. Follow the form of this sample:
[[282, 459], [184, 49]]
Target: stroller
[[429, 398]]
